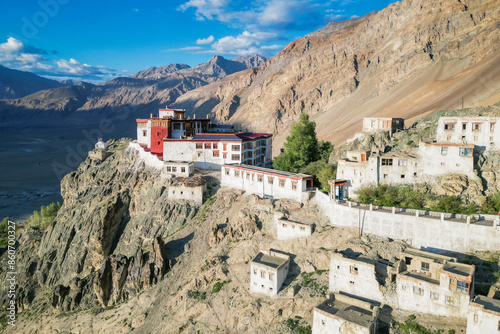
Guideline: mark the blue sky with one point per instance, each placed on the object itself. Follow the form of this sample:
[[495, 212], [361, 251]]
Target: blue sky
[[98, 40]]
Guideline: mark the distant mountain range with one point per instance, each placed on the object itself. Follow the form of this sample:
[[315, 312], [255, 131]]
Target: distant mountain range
[[149, 89], [15, 84]]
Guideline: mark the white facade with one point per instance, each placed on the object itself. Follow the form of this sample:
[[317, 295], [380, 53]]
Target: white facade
[[374, 124], [144, 133], [433, 159], [287, 230], [268, 271], [179, 168], [480, 131], [434, 284], [484, 316], [345, 315], [185, 192], [266, 182], [357, 276]]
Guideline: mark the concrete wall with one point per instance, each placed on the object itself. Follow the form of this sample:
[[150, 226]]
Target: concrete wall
[[480, 321], [328, 324], [486, 137], [258, 183], [141, 138], [179, 168], [192, 194], [374, 124], [422, 231], [266, 280], [433, 162], [354, 277], [287, 230], [416, 295]]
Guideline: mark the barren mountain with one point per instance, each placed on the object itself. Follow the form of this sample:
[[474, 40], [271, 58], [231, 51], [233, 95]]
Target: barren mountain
[[15, 84], [408, 60], [145, 92]]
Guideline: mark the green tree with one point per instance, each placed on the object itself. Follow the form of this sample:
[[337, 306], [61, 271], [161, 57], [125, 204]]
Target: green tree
[[301, 147], [491, 204], [322, 172]]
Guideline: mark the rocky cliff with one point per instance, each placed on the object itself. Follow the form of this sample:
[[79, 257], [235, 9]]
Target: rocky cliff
[[408, 60]]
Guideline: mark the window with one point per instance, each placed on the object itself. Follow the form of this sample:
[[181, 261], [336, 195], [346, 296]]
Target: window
[[353, 270], [255, 272], [270, 179], [259, 178], [235, 147], [227, 171], [385, 176], [199, 146], [402, 176], [425, 266], [418, 291], [235, 157], [402, 162], [248, 176], [177, 126], [224, 146], [462, 287], [386, 162], [476, 318], [444, 150], [282, 182], [262, 274], [386, 124], [492, 127], [207, 146], [174, 169], [144, 133], [449, 126], [352, 282], [215, 154], [476, 126], [224, 155], [434, 295], [294, 185], [236, 173], [169, 168], [450, 300], [465, 151], [214, 146], [183, 169], [464, 126], [271, 276]]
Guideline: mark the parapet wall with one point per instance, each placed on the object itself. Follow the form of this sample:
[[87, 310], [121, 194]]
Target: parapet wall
[[423, 230]]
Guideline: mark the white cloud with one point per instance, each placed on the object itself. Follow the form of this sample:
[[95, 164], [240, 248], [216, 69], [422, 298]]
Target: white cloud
[[203, 41], [244, 44], [208, 9], [12, 45]]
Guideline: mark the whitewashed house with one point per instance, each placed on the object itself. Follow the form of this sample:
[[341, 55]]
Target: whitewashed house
[[389, 124], [266, 182], [345, 315], [484, 316], [288, 230], [480, 131], [268, 271]]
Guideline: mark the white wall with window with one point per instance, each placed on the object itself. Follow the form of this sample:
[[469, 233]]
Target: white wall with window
[[484, 316], [480, 131], [268, 271]]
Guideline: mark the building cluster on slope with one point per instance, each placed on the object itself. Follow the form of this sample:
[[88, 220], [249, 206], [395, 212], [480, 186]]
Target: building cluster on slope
[[452, 152], [179, 145]]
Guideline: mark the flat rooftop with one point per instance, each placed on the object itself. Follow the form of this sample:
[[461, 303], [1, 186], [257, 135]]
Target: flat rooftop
[[434, 257], [420, 277], [458, 268], [488, 303], [269, 260], [350, 313], [269, 171]]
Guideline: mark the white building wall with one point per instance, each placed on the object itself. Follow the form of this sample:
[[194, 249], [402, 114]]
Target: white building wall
[[451, 129], [203, 158], [253, 182], [422, 232], [480, 321], [287, 230], [417, 296], [192, 194], [343, 278], [144, 139], [266, 280], [327, 324], [439, 160]]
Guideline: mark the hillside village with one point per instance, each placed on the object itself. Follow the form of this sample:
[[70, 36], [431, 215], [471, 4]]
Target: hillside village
[[363, 290]]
